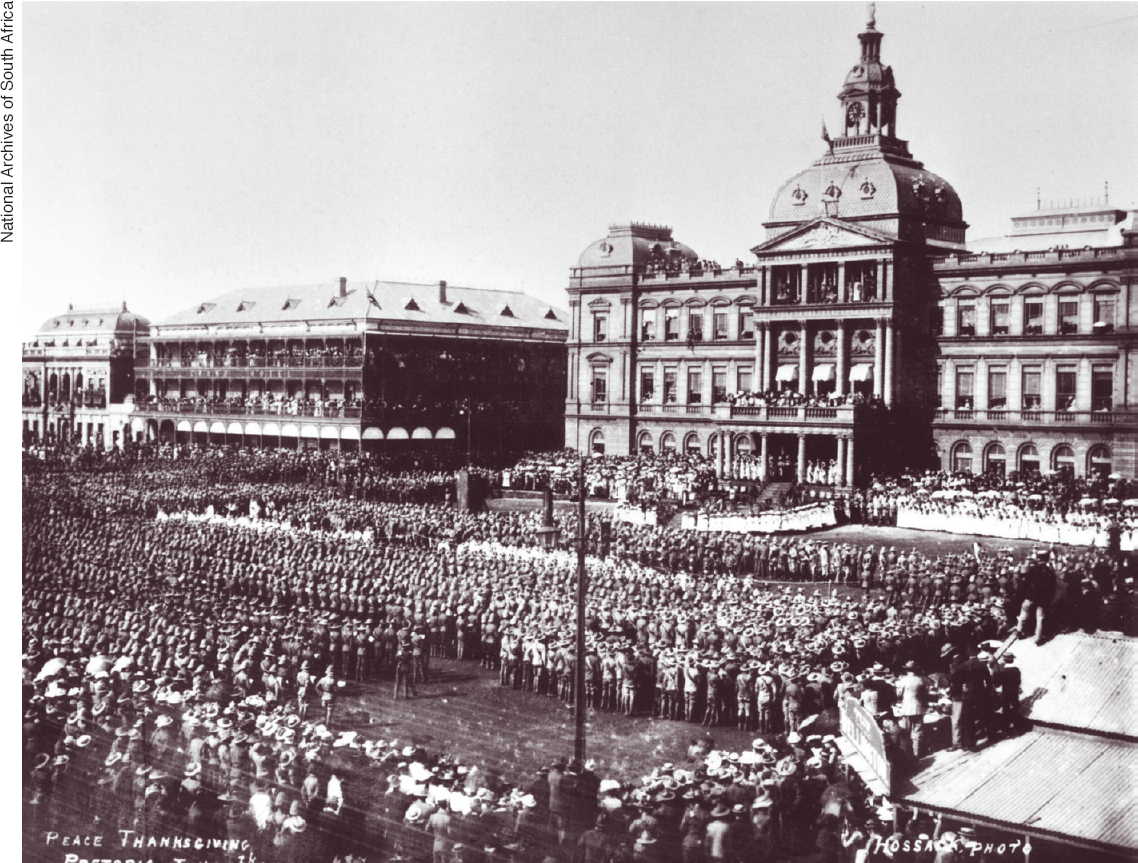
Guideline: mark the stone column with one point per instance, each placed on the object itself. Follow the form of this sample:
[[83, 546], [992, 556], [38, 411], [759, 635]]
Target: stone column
[[879, 358], [768, 357], [881, 272], [851, 462], [889, 346], [763, 452], [801, 457], [803, 360], [1083, 385], [841, 281], [802, 286], [841, 460], [757, 381], [728, 454], [718, 437], [841, 370]]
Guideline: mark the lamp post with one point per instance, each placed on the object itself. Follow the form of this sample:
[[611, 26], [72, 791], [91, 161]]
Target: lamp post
[[579, 682]]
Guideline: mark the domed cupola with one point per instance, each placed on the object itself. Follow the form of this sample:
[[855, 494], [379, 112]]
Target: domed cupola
[[869, 96], [868, 174]]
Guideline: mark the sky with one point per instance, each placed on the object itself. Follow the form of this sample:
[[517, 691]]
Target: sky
[[175, 151]]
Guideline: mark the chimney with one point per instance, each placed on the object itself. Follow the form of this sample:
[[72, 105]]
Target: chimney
[[442, 291], [343, 286]]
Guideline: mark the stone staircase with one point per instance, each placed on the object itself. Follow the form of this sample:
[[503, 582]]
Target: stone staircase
[[774, 492]]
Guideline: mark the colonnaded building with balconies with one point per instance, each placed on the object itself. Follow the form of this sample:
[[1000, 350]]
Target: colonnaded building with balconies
[[840, 347], [78, 374], [378, 365]]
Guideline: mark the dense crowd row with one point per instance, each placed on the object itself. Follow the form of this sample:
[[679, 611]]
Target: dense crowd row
[[199, 663]]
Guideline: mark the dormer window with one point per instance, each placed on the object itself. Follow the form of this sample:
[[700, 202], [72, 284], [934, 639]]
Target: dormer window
[[244, 306], [550, 316], [461, 309], [205, 307], [290, 304], [507, 312], [411, 306]]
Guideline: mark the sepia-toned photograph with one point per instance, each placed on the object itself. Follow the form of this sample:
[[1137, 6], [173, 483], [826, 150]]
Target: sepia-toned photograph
[[564, 432]]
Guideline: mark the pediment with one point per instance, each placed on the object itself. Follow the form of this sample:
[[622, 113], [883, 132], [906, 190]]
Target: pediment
[[823, 234]]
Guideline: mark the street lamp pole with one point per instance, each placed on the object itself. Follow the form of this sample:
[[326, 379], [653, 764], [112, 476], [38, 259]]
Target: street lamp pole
[[579, 682]]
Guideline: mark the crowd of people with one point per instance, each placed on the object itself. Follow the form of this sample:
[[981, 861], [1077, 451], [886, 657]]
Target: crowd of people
[[682, 477], [790, 398], [181, 679], [184, 676]]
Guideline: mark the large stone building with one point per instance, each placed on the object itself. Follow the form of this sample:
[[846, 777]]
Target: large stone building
[[379, 365], [830, 348], [1036, 365], [79, 376]]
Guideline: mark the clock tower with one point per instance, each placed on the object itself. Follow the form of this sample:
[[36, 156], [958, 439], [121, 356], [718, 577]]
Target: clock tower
[[869, 97]]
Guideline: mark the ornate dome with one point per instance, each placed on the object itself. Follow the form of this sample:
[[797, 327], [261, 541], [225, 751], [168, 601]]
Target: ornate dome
[[635, 244], [874, 187], [868, 175]]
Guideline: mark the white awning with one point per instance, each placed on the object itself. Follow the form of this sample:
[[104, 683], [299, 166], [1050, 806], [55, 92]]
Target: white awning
[[787, 373], [184, 425], [217, 427], [253, 428], [309, 431], [200, 426], [397, 433], [349, 433], [862, 372], [444, 434], [372, 433], [290, 430], [271, 430], [234, 428], [824, 372], [421, 433], [329, 433]]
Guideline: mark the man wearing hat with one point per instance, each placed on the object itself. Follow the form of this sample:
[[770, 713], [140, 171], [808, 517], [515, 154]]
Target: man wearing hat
[[1038, 586], [913, 693], [717, 834]]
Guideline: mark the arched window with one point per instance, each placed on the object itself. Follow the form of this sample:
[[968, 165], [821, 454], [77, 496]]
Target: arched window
[[713, 446], [1029, 459], [644, 443], [597, 442], [691, 444], [995, 459], [744, 445], [962, 457], [1063, 459], [1099, 461], [668, 444]]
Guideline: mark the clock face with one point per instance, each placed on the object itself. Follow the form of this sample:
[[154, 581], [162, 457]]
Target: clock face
[[854, 113]]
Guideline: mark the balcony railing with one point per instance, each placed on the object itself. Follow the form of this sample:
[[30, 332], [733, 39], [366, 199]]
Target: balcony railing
[[1055, 255], [327, 411], [350, 362], [1034, 417]]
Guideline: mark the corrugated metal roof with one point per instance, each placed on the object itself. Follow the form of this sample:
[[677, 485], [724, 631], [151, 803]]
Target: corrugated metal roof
[[1080, 681], [1051, 782], [322, 303]]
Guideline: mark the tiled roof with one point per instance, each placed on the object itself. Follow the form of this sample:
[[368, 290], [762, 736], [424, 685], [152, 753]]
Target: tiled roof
[[95, 320], [1045, 782], [1080, 681], [374, 301]]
